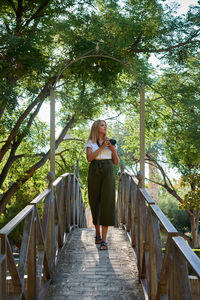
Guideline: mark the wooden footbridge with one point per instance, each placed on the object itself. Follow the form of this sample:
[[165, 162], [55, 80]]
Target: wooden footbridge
[[58, 259]]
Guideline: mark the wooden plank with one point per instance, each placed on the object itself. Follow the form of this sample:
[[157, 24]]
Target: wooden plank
[[66, 174], [182, 275], [162, 288], [67, 204], [187, 252], [16, 220], [39, 198], [72, 200], [25, 244], [132, 193], [157, 245], [123, 200], [132, 176], [31, 264], [153, 276], [146, 196], [3, 287], [140, 232], [2, 257], [46, 215], [163, 219], [50, 242], [57, 181], [16, 281]]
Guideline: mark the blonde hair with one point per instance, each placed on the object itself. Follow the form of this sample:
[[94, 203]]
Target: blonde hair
[[93, 136]]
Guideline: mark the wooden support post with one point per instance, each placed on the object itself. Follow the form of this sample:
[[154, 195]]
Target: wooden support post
[[52, 130], [3, 287], [31, 268], [139, 225], [73, 191], [142, 133], [50, 240]]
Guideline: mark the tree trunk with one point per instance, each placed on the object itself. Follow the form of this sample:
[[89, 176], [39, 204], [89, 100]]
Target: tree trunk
[[194, 221]]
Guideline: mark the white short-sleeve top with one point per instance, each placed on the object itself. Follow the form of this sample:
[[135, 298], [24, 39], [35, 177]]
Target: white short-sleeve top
[[106, 153]]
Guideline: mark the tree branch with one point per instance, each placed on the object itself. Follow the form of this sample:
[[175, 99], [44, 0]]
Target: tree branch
[[14, 131], [165, 100], [171, 189], [15, 146], [31, 155], [132, 50], [37, 12], [19, 182], [13, 6]]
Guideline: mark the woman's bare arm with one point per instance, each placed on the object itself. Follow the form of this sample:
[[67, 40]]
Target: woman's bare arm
[[115, 157]]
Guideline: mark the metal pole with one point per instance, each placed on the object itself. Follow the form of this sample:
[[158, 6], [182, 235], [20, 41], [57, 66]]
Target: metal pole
[[52, 130], [142, 133]]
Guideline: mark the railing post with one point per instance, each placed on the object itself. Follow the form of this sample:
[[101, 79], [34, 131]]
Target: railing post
[[73, 197], [139, 224], [50, 241], [31, 268], [52, 130], [68, 203], [3, 266], [142, 133], [132, 203]]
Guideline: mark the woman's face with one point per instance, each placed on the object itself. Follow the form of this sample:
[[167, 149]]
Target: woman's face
[[102, 129]]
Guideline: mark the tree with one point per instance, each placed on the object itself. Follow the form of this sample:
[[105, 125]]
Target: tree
[[172, 126], [39, 39]]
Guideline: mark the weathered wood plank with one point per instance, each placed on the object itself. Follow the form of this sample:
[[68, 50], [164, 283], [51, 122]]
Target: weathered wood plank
[[40, 197], [187, 252], [57, 181], [25, 243], [163, 219], [67, 204], [13, 271], [3, 287], [16, 220], [46, 213], [31, 264], [182, 275], [146, 196]]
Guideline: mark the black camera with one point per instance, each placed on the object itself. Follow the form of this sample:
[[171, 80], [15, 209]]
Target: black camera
[[113, 142]]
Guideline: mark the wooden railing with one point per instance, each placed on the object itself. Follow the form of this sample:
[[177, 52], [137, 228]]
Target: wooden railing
[[163, 256], [46, 223]]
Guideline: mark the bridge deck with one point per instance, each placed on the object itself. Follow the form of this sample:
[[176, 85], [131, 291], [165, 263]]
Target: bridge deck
[[85, 272]]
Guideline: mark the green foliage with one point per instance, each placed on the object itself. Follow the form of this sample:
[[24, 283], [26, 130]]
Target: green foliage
[[191, 199], [170, 206]]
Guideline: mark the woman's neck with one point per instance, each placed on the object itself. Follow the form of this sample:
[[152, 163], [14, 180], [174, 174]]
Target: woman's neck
[[101, 138]]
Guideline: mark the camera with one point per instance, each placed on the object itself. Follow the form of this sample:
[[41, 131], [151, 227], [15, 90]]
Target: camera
[[113, 142]]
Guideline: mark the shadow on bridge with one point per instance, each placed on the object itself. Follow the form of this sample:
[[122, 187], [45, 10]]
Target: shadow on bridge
[[85, 272]]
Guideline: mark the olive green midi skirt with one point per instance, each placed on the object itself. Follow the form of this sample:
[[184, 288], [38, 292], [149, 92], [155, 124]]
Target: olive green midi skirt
[[101, 192]]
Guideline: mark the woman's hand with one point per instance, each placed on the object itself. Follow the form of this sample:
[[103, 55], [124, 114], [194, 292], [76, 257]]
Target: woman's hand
[[112, 147], [105, 144]]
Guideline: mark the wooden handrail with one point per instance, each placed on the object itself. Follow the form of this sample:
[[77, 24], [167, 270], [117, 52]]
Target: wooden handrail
[[163, 275], [46, 222]]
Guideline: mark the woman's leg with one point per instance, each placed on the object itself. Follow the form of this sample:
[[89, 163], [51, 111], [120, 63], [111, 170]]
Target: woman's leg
[[104, 236], [104, 232], [97, 227]]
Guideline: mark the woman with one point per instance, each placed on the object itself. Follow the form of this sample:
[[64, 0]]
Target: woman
[[101, 180]]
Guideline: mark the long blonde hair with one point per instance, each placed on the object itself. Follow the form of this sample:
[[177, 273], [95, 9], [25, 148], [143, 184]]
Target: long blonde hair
[[93, 136]]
